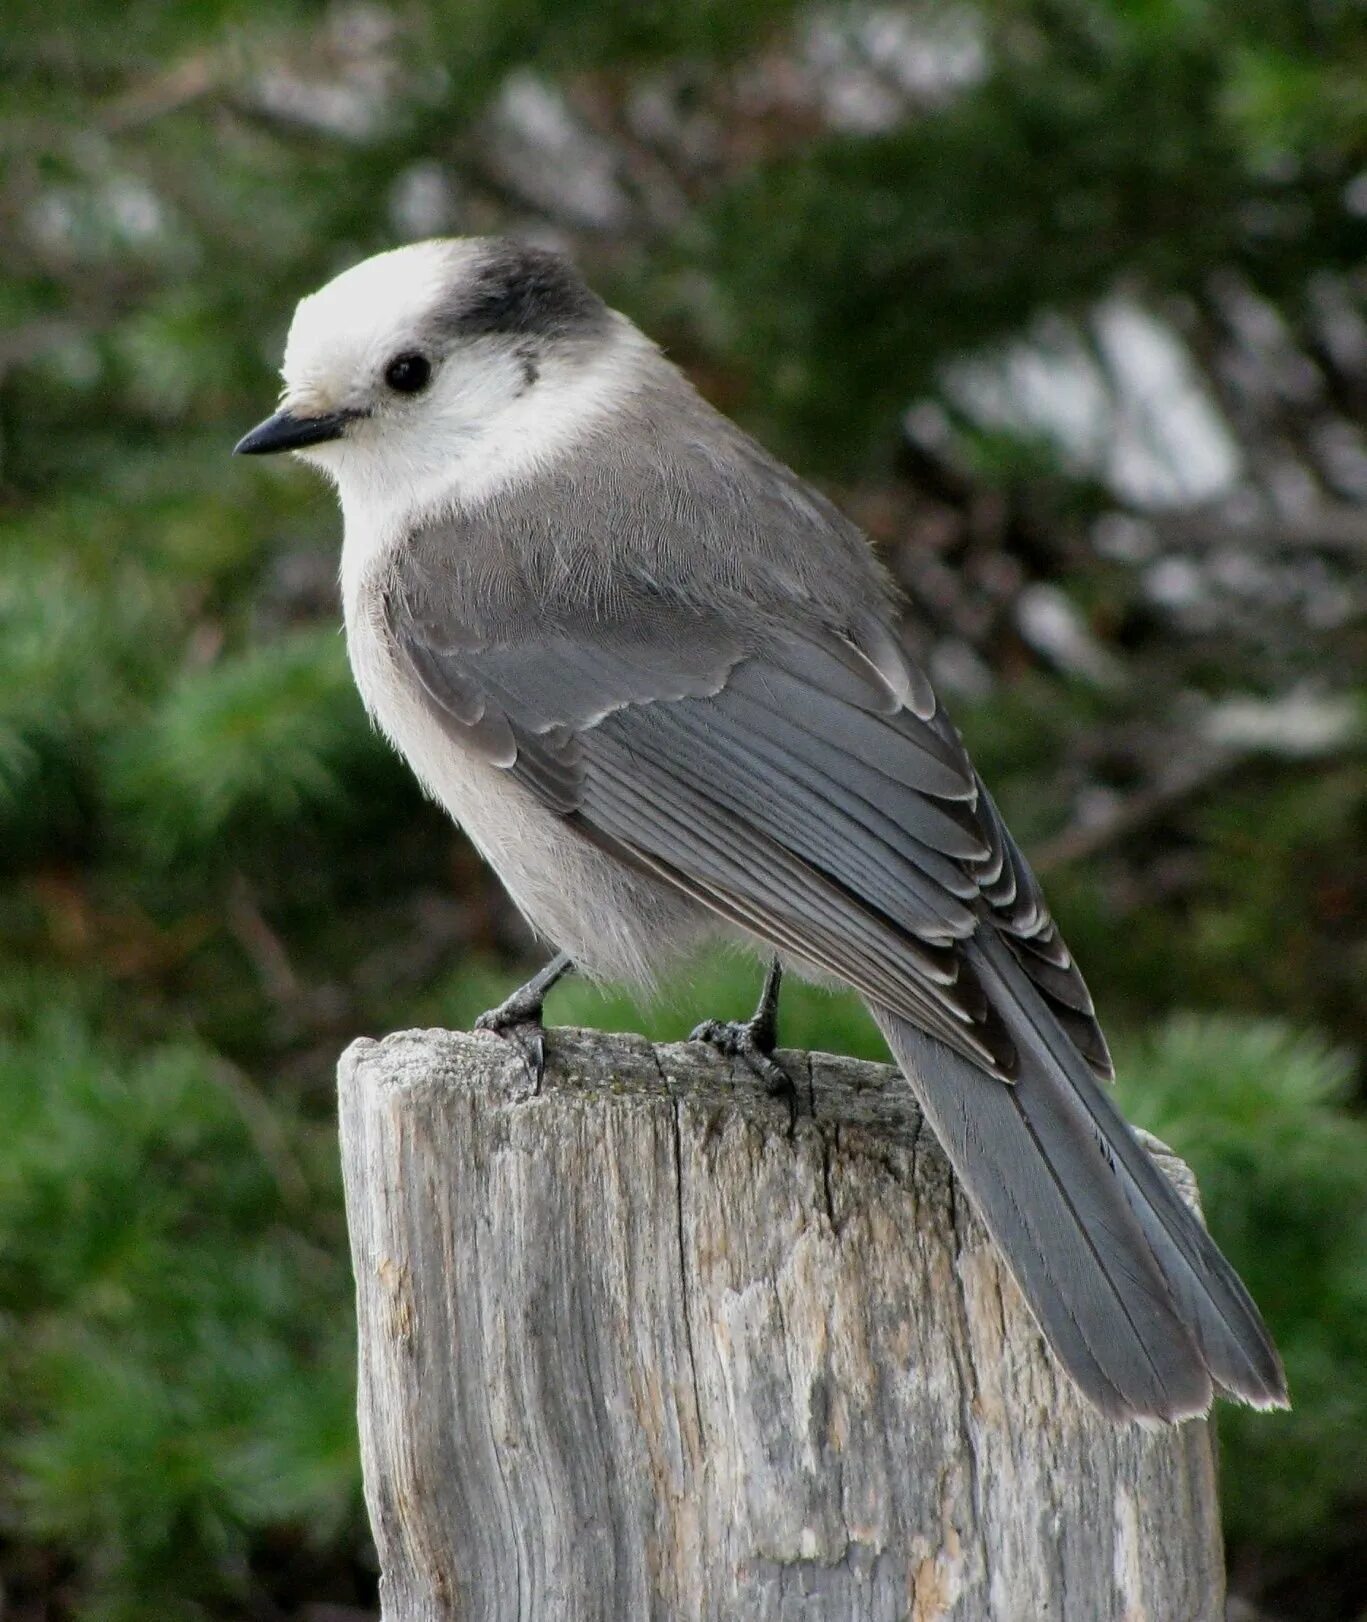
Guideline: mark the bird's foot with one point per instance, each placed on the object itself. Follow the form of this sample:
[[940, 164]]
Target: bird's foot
[[525, 1032], [753, 1040], [738, 1039], [518, 1019]]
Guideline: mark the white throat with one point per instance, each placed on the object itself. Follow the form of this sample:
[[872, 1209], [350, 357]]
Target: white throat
[[453, 460]]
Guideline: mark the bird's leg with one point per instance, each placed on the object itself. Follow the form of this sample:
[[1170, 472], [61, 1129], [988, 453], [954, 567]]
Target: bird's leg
[[518, 1018], [753, 1040]]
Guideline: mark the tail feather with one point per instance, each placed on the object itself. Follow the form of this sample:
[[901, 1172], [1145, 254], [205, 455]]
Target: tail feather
[[1130, 1290]]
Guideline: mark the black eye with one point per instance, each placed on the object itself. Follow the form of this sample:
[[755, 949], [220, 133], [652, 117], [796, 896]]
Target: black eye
[[408, 373]]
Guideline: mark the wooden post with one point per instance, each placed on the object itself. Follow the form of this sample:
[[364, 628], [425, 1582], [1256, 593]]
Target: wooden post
[[641, 1346]]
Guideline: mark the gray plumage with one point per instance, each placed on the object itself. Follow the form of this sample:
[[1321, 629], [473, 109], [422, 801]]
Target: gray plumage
[[663, 682]]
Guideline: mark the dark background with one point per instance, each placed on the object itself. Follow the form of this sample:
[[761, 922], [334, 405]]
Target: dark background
[[1064, 300]]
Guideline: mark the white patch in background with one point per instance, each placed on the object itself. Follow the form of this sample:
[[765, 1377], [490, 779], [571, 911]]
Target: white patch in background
[[119, 211], [346, 86], [873, 67], [1050, 623], [423, 202], [1342, 450], [1341, 324], [1123, 402], [549, 158], [1300, 724], [957, 668]]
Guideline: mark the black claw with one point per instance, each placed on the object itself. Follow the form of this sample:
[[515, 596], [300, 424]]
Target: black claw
[[530, 1041], [517, 1019], [526, 1033]]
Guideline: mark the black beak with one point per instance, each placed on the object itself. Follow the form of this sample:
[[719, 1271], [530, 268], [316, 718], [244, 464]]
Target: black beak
[[284, 432]]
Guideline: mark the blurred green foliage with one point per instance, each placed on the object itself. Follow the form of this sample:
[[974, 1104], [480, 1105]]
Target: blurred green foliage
[[213, 875], [1284, 1180], [178, 1361]]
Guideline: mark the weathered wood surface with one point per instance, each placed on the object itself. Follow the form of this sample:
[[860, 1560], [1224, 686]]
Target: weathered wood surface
[[636, 1347]]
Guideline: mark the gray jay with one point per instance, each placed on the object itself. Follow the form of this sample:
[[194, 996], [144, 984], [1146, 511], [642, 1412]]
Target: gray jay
[[660, 683]]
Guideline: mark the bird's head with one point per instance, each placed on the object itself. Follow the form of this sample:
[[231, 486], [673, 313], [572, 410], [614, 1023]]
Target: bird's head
[[441, 367]]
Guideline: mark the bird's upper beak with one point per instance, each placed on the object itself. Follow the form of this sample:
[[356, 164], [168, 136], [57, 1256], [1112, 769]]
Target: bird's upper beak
[[288, 431]]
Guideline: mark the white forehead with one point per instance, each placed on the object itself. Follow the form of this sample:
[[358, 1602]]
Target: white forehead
[[370, 312]]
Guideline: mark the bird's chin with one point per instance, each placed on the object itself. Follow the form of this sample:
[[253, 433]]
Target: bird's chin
[[326, 460], [325, 457]]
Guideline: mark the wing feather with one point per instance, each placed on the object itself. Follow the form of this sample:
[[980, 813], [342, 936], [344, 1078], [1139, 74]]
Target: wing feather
[[801, 784]]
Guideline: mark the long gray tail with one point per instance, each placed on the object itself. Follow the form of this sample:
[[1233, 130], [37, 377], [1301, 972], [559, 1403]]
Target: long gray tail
[[1141, 1308]]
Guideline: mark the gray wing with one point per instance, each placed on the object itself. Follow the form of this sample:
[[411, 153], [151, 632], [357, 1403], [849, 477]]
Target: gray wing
[[800, 783]]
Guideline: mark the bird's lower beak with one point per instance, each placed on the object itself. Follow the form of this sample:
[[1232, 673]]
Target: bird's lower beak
[[287, 432]]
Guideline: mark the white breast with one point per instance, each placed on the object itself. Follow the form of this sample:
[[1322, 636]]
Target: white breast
[[455, 777], [615, 923]]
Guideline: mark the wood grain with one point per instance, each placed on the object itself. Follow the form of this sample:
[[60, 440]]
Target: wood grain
[[640, 1345]]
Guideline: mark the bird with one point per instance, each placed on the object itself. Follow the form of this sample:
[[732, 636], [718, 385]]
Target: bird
[[667, 690]]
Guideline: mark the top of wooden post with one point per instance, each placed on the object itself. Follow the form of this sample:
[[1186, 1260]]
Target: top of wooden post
[[646, 1343]]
